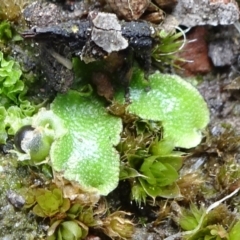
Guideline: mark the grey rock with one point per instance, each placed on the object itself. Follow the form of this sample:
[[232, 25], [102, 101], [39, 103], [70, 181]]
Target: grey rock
[[221, 52], [107, 33], [192, 13]]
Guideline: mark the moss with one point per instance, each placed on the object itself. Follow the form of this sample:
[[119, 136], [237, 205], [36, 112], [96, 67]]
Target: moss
[[11, 9], [15, 224]]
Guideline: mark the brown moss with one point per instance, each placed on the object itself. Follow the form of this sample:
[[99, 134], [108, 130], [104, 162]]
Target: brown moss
[[11, 9]]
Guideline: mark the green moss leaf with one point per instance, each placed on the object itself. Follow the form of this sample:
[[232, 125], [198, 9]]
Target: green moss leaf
[[15, 107], [3, 133], [70, 230], [86, 153], [50, 203], [174, 102], [128, 172], [234, 234], [175, 161], [5, 31], [190, 218], [15, 119], [158, 177]]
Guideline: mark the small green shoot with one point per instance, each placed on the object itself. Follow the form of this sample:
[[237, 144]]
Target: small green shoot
[[50, 203], [234, 233], [5, 31], [170, 44], [15, 107], [7, 34], [191, 218], [211, 223], [154, 175]]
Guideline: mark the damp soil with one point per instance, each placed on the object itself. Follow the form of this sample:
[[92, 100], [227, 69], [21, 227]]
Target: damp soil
[[221, 143]]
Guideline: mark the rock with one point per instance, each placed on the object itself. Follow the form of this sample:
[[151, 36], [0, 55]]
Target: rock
[[221, 52], [195, 52], [206, 12], [15, 199]]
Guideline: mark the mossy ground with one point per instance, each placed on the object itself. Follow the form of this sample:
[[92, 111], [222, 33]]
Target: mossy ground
[[210, 172], [16, 223]]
